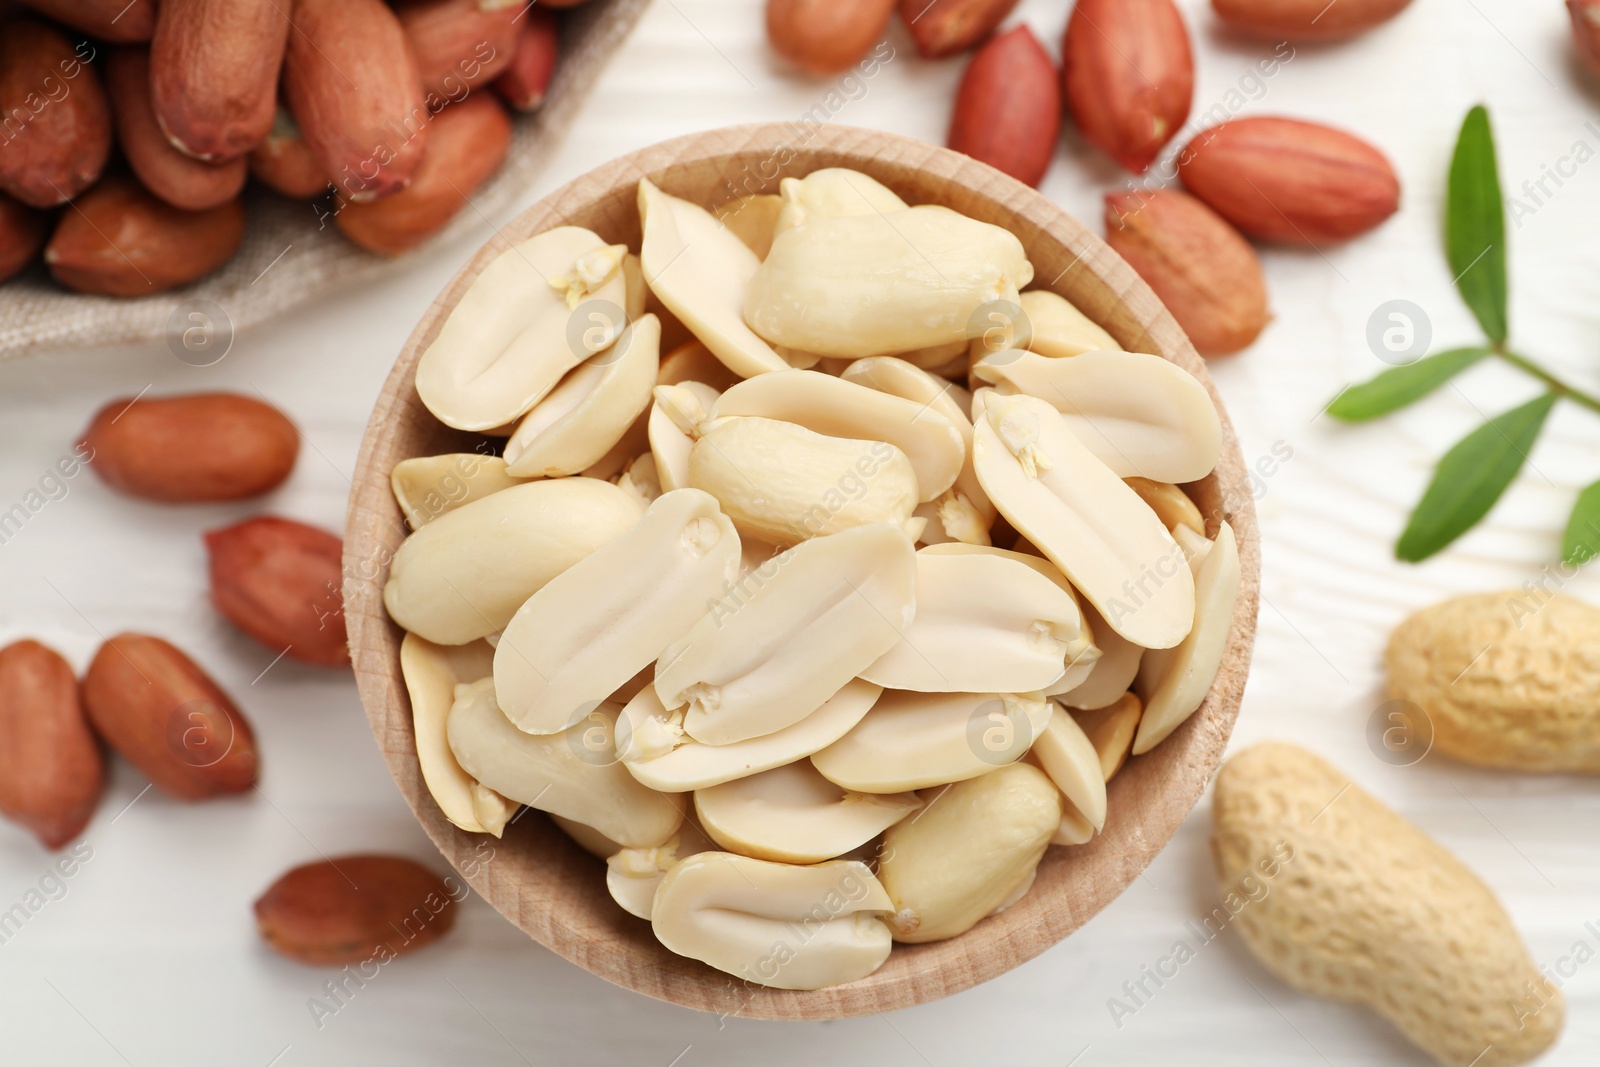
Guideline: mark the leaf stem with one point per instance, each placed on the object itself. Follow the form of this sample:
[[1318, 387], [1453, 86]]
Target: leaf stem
[[1557, 386]]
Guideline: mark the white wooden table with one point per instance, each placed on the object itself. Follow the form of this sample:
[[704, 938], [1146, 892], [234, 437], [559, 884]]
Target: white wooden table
[[147, 954]]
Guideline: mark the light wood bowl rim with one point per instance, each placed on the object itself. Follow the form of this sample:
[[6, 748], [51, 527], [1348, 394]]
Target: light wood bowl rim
[[561, 901]]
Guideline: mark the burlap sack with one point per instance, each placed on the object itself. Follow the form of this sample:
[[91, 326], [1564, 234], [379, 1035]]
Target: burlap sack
[[37, 315]]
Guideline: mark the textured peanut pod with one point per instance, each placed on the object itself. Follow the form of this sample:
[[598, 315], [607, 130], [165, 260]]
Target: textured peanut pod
[[51, 770], [826, 36], [460, 44], [283, 161], [1349, 900], [533, 60], [1506, 679], [945, 27], [1008, 110], [113, 21], [351, 82], [281, 582], [1129, 76], [121, 241], [164, 715], [22, 234], [179, 179], [1306, 20], [191, 449], [467, 144], [1206, 274], [55, 122], [1292, 181], [356, 909], [214, 73]]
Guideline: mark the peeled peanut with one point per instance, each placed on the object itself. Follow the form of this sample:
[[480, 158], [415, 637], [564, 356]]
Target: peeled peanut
[[568, 774], [593, 626], [1173, 682], [795, 815], [838, 408], [968, 852], [916, 740], [701, 272], [1170, 503], [984, 623], [783, 483], [653, 745], [1341, 897], [756, 664], [676, 421], [634, 874], [776, 924], [871, 285], [831, 193], [581, 418], [1058, 329], [432, 673], [535, 312], [1081, 654], [465, 574], [1067, 755], [1140, 415], [1084, 519], [1111, 675], [1110, 729], [427, 487]]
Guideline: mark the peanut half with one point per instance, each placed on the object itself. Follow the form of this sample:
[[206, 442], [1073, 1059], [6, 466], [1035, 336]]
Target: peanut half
[[652, 743], [431, 674], [517, 328], [1084, 519], [596, 624], [795, 815], [916, 740], [983, 622], [465, 574], [1140, 415], [742, 915], [968, 852], [873, 285], [755, 665], [569, 774]]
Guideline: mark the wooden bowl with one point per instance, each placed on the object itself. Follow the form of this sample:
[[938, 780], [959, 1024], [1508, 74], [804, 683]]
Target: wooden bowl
[[535, 876]]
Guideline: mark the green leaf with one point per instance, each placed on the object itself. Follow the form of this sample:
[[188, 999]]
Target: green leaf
[[1475, 229], [1471, 477], [1400, 386], [1582, 540]]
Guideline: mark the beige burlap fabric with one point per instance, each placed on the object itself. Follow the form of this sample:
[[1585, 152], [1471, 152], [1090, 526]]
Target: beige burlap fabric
[[37, 316]]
